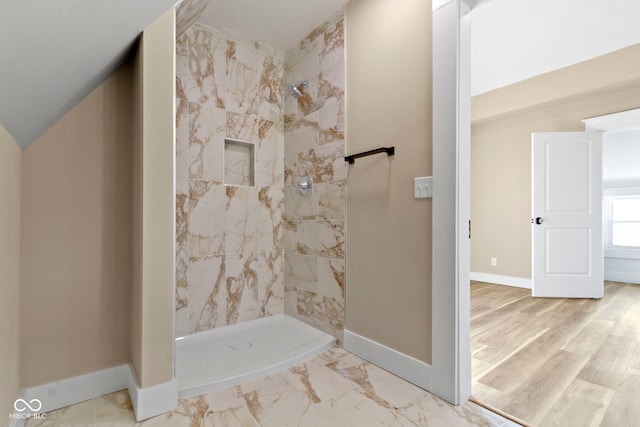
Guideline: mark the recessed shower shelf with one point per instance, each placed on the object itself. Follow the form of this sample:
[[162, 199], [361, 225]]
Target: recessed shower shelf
[[239, 163]]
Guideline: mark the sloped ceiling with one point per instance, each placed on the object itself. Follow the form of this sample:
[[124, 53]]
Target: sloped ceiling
[[54, 53]]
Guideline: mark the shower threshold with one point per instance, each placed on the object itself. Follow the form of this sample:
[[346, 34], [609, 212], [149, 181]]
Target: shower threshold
[[232, 355]]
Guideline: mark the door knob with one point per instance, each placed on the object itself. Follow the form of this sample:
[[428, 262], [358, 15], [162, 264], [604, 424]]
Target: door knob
[[539, 220]]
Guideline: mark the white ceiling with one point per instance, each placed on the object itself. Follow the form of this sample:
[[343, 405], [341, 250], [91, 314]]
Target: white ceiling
[[513, 40], [276, 23], [54, 53]]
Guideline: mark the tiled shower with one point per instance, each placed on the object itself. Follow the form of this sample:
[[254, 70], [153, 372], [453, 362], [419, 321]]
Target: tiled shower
[[249, 244]]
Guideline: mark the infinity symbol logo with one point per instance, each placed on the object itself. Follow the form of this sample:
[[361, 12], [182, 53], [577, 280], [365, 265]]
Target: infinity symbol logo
[[26, 404]]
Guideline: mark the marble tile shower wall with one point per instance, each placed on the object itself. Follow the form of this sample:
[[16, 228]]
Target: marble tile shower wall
[[314, 226], [245, 252], [230, 252]]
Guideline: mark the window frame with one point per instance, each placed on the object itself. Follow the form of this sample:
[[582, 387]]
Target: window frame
[[609, 195]]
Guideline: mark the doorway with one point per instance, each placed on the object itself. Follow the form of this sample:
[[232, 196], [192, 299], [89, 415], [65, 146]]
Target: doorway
[[574, 339], [600, 98]]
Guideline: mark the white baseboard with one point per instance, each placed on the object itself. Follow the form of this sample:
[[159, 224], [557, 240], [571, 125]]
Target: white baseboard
[[74, 390], [622, 276], [151, 401], [400, 364], [517, 282], [147, 402], [69, 391]]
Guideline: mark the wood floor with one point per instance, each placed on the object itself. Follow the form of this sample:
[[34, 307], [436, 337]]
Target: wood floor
[[558, 362]]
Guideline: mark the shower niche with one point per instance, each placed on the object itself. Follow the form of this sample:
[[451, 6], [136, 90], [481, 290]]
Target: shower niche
[[239, 163]]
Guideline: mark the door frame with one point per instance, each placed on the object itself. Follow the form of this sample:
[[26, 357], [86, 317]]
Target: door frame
[[451, 354]]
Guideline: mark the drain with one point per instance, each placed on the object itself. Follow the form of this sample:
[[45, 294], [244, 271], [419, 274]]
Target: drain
[[241, 346]]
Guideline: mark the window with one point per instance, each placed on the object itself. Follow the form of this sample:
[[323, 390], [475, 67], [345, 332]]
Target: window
[[625, 221], [622, 222]]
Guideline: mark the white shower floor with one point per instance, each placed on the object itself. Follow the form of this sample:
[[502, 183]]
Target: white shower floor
[[231, 355]]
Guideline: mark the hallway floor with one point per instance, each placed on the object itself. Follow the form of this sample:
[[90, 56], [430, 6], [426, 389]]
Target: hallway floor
[[334, 389], [555, 361]]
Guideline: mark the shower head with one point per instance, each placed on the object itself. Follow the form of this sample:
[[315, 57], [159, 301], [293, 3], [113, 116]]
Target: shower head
[[304, 100], [296, 90]]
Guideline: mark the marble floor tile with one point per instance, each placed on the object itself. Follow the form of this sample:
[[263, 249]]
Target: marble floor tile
[[331, 355], [221, 408], [283, 404], [80, 414], [115, 409], [359, 408], [334, 389], [434, 412], [316, 381], [388, 389], [270, 380]]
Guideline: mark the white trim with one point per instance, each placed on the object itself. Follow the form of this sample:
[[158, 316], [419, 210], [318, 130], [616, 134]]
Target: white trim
[[69, 391], [622, 276], [74, 390], [451, 354], [409, 368], [614, 122], [151, 401], [609, 195], [147, 402], [496, 279], [621, 252], [437, 4]]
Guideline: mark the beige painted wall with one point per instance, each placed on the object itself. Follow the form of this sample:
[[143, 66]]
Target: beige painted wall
[[10, 164], [501, 148], [603, 74], [388, 60], [76, 239], [154, 204]]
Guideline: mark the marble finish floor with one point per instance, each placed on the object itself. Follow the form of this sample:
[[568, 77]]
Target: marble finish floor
[[334, 389]]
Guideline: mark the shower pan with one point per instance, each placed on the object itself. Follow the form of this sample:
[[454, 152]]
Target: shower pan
[[232, 355]]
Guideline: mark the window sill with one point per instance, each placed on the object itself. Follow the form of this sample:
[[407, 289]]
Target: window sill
[[622, 253]]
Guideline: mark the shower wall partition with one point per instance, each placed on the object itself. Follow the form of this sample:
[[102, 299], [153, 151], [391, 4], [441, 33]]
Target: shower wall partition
[[245, 252], [314, 225]]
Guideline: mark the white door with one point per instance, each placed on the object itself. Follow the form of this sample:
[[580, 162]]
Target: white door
[[567, 215]]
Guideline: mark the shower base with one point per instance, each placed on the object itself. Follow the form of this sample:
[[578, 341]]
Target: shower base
[[232, 355]]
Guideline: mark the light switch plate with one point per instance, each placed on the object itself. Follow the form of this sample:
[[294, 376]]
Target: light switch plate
[[423, 187]]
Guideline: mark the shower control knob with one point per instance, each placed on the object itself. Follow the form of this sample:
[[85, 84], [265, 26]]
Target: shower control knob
[[305, 184]]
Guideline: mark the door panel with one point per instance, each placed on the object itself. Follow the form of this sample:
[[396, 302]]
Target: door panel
[[567, 251], [567, 215], [567, 192]]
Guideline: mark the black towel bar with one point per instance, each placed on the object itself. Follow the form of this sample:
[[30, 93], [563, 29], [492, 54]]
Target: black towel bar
[[352, 158]]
